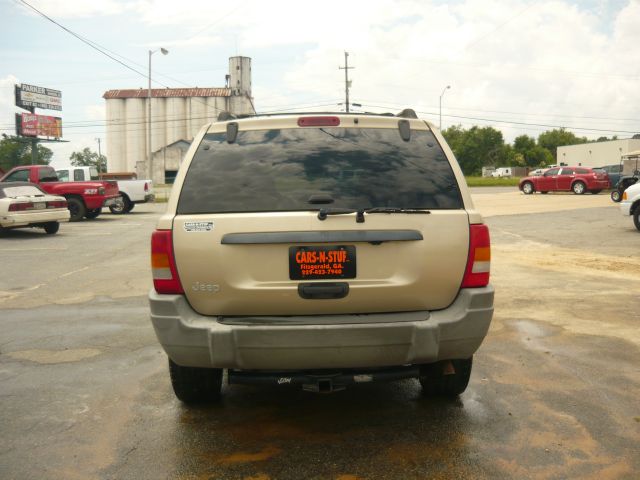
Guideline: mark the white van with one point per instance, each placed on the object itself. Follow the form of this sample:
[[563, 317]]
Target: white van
[[502, 172]]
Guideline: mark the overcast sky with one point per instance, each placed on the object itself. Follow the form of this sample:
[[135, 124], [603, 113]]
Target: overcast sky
[[520, 66]]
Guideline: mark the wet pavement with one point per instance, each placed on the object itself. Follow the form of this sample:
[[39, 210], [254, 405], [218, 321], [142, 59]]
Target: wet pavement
[[84, 388]]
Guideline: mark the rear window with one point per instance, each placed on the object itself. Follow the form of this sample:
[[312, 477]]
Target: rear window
[[21, 191], [279, 170]]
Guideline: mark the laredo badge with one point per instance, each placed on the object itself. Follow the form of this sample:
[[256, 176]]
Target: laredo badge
[[198, 226]]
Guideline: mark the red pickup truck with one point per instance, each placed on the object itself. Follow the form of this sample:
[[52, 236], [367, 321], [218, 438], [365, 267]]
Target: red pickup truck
[[84, 199]]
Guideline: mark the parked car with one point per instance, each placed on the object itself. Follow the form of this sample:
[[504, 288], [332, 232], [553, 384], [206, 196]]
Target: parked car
[[131, 191], [614, 172], [24, 205], [320, 250], [565, 179], [84, 199], [630, 204]]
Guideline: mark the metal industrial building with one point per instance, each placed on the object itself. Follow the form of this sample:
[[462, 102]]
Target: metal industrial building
[[177, 114], [597, 154]]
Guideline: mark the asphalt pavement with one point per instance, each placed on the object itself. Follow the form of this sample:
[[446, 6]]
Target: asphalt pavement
[[84, 388]]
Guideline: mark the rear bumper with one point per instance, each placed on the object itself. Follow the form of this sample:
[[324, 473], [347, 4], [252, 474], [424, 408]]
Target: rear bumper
[[191, 339], [26, 219], [149, 197]]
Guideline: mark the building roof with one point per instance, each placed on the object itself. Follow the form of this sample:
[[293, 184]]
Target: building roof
[[168, 92]]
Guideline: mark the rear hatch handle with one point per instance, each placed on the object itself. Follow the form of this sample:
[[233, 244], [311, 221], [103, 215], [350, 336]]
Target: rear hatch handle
[[323, 291]]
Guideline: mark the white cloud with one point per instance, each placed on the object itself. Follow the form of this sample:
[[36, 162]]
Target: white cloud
[[552, 62]]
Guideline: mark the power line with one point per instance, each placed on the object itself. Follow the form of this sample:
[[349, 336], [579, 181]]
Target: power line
[[79, 37]]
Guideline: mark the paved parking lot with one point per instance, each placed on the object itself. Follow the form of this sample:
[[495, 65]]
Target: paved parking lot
[[84, 391]]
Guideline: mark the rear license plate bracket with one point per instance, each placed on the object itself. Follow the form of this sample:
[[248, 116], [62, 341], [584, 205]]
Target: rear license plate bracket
[[322, 262]]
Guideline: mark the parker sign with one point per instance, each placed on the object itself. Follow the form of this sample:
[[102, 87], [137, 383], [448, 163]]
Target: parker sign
[[31, 96], [32, 125]]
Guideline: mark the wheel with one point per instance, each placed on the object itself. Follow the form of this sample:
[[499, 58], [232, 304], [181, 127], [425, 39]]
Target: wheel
[[636, 218], [616, 196], [544, 193], [193, 385], [439, 379], [76, 208], [595, 192], [527, 188], [91, 214], [578, 188], [121, 206], [129, 207], [51, 227]]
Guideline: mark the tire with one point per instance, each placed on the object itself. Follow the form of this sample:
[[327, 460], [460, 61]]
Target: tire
[[636, 217], [129, 207], [435, 383], [595, 192], [195, 385], [76, 208], [527, 188], [616, 196], [121, 206], [51, 227], [91, 214], [578, 188], [544, 193]]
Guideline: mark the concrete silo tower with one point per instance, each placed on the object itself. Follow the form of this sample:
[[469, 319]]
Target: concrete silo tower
[[240, 85]]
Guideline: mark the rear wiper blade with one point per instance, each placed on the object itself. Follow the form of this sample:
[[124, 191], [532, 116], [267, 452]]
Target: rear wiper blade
[[396, 210], [324, 212]]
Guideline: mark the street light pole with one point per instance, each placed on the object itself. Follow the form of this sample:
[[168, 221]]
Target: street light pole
[[444, 90], [99, 154], [149, 152]]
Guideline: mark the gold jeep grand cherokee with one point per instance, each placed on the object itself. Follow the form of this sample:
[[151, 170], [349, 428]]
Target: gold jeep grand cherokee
[[320, 250]]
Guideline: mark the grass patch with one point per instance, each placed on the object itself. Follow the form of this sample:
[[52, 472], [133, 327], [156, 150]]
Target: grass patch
[[492, 182]]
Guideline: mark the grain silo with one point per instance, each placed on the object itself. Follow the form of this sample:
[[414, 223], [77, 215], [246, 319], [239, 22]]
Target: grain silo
[[176, 116]]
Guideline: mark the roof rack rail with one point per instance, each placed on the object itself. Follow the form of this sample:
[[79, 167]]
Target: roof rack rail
[[407, 113]]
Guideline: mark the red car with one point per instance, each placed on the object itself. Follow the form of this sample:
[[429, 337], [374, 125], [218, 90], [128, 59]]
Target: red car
[[565, 179]]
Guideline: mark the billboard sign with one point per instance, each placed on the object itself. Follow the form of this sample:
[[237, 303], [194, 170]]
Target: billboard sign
[[32, 125], [31, 96]]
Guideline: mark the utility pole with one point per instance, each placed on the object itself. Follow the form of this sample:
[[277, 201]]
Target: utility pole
[[99, 154], [347, 83]]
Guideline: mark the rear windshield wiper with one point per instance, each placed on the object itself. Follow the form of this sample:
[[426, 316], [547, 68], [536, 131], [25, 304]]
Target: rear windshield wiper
[[395, 210], [324, 212]]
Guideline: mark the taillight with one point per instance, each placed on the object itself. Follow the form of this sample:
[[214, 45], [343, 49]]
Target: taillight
[[20, 207], [318, 121], [57, 204], [163, 264], [479, 262], [146, 187]]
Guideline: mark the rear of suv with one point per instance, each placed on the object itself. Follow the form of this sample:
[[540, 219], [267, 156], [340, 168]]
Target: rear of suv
[[320, 250]]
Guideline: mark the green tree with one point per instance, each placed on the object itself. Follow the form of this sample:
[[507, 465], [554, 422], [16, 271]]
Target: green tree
[[533, 155], [16, 151], [523, 143], [552, 139], [477, 147], [88, 158]]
